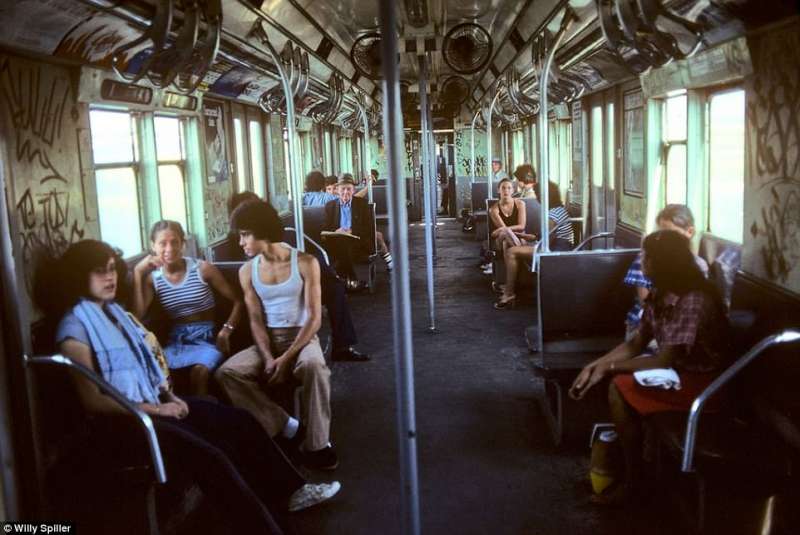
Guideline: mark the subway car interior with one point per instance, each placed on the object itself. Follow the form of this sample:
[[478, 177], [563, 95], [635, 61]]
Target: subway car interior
[[392, 267]]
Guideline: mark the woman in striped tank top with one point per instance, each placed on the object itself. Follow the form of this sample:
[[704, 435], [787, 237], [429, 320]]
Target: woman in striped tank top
[[183, 287]]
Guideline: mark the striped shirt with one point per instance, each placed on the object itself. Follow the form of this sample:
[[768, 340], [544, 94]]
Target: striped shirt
[[191, 296], [563, 229]]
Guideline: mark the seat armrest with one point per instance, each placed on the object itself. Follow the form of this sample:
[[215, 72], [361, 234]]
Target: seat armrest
[[692, 422], [142, 418], [593, 237]]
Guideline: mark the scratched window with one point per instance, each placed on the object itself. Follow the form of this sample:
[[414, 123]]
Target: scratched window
[[726, 122], [171, 156], [114, 153]]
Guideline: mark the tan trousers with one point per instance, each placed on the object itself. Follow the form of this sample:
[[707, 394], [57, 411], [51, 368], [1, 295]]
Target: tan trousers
[[241, 378]]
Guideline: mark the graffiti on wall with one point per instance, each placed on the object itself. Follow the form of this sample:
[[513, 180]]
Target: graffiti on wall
[[772, 192], [216, 205], [40, 105], [463, 143]]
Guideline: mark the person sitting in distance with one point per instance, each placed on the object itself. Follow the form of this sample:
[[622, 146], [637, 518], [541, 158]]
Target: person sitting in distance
[[317, 194], [686, 317], [350, 215], [677, 217], [330, 185], [223, 449], [282, 294], [561, 239], [509, 217], [183, 287], [526, 179]]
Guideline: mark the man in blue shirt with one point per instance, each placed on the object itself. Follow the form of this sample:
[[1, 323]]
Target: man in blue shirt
[[315, 194]]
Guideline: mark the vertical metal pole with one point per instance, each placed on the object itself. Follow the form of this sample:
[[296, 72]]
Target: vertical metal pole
[[295, 184], [489, 176], [365, 151], [472, 146], [434, 189], [544, 149], [401, 295], [428, 187]]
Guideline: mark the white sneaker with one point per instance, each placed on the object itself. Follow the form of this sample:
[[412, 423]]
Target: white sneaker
[[311, 494], [489, 270]]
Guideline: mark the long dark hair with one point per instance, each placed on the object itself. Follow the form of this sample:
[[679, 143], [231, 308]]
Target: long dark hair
[[64, 281], [672, 267], [553, 194]]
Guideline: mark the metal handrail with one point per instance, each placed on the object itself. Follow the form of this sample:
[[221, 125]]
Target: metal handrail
[[321, 250], [693, 421], [142, 418], [593, 237]]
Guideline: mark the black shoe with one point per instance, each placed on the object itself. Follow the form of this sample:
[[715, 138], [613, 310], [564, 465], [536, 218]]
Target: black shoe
[[324, 459], [291, 446], [349, 354], [353, 285]]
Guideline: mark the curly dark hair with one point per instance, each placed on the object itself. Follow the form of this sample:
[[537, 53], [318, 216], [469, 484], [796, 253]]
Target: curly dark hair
[[260, 218], [62, 282], [553, 194]]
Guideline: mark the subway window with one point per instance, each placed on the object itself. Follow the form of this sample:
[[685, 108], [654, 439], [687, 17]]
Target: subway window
[[257, 163], [239, 144], [674, 139], [726, 123], [171, 157], [115, 155]]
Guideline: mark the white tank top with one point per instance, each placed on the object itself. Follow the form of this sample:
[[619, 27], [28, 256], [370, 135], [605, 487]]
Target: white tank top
[[283, 303]]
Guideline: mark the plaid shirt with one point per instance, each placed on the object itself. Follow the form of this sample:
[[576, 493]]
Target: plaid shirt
[[635, 277], [691, 321]]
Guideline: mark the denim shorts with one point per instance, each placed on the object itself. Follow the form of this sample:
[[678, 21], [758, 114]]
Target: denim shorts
[[193, 343]]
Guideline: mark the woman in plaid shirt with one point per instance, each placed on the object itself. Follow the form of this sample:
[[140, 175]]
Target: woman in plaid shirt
[[685, 315]]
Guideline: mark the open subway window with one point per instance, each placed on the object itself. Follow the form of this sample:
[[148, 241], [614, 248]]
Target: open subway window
[[674, 132], [726, 123], [116, 165], [171, 157]]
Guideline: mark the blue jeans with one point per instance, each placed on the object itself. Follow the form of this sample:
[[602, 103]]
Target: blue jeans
[[193, 343]]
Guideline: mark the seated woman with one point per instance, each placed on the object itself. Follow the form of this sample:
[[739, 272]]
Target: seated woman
[[561, 239], [508, 216], [685, 315], [224, 450], [183, 287], [526, 179]]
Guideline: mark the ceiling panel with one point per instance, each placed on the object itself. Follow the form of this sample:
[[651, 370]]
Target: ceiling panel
[[504, 55]]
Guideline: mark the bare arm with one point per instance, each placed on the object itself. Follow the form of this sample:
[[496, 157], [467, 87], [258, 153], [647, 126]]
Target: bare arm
[[309, 270], [595, 371], [143, 291], [494, 213], [253, 304], [361, 193], [213, 275], [521, 217]]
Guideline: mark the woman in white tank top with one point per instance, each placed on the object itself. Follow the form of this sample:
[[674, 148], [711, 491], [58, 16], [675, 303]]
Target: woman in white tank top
[[183, 287]]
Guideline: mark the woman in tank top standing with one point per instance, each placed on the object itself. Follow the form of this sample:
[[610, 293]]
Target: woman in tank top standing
[[508, 216], [183, 287]]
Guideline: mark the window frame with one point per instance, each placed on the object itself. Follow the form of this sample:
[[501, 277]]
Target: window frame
[[136, 165], [181, 164], [667, 144]]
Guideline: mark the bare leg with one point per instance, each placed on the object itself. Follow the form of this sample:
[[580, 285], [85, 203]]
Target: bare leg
[[513, 257], [382, 247], [630, 432], [198, 380]]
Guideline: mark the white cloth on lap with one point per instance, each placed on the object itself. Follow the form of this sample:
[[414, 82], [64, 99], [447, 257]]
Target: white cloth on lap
[[665, 378]]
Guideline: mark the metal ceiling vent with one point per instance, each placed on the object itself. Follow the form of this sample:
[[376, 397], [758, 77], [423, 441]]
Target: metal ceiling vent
[[467, 48], [455, 90], [366, 55]]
